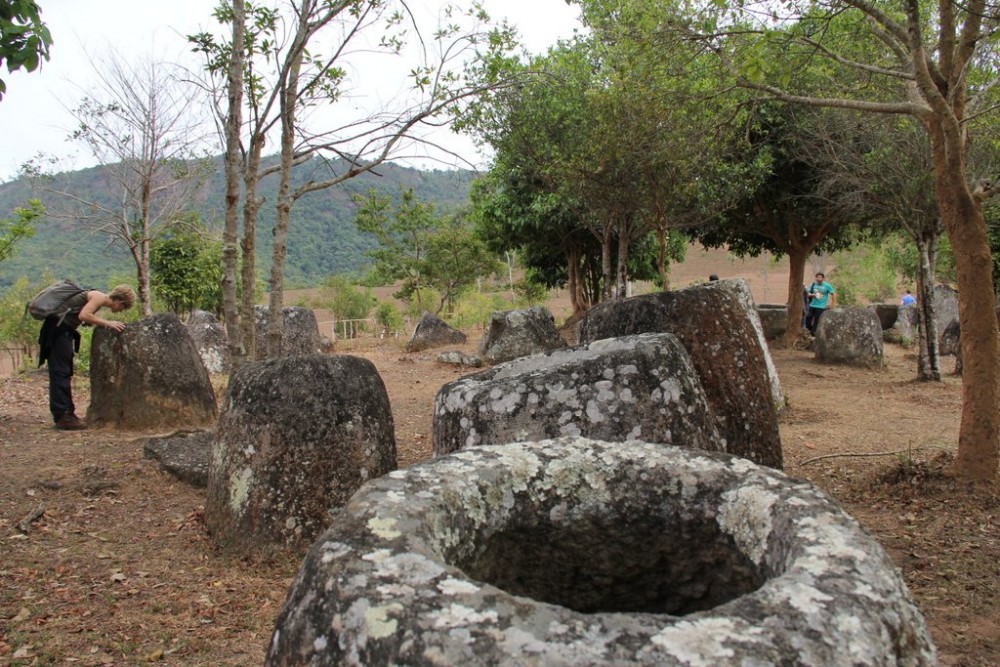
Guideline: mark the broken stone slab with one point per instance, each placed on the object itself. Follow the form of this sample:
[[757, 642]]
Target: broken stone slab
[[619, 389], [431, 331], [951, 338], [904, 330], [149, 376], [460, 359], [887, 314], [299, 336], [184, 454], [297, 436], [773, 319], [518, 333], [581, 552], [717, 324], [851, 336]]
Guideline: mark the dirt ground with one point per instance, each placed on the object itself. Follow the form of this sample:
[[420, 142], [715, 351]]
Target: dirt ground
[[117, 568]]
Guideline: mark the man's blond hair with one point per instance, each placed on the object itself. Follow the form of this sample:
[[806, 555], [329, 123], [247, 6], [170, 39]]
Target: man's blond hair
[[123, 294]]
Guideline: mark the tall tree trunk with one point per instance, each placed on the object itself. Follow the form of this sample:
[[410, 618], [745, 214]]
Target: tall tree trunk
[[979, 433], [661, 256], [797, 258], [929, 358], [234, 123], [145, 302], [248, 277], [621, 270], [607, 277], [288, 100]]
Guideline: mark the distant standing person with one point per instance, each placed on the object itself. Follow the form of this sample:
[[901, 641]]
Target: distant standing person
[[59, 340], [821, 296], [908, 299]]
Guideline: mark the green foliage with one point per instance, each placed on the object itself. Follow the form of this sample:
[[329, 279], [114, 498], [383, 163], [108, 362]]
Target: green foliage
[[416, 303], [530, 292], [18, 333], [24, 38], [473, 309], [388, 317], [186, 268], [20, 227], [865, 274], [421, 249], [344, 299]]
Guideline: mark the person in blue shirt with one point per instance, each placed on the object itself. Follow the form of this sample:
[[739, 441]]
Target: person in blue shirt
[[908, 299], [822, 295]]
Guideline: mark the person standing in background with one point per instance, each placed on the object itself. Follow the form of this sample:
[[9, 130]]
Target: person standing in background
[[822, 295]]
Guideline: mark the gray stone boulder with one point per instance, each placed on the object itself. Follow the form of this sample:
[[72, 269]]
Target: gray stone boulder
[[619, 389], [297, 436], [904, 330], [887, 313], [184, 454], [851, 336], [581, 552], [431, 331], [210, 339], [149, 376], [945, 307], [717, 324], [951, 338], [300, 335], [518, 333], [773, 319]]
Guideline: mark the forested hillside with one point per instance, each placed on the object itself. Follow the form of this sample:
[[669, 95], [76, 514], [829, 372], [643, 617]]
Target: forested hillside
[[322, 237]]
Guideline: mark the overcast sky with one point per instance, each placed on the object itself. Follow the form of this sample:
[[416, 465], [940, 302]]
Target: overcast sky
[[33, 115]]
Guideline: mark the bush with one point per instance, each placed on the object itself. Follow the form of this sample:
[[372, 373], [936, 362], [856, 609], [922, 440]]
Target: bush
[[473, 309], [865, 274], [388, 317], [346, 300]]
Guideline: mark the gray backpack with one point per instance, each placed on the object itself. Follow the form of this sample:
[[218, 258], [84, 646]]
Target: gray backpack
[[53, 299]]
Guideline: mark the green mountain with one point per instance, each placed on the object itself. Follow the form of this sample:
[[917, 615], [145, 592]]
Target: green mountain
[[322, 238]]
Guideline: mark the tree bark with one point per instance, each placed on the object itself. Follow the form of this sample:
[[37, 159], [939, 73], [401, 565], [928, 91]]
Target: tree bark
[[248, 277], [234, 123], [929, 358], [979, 433], [797, 258]]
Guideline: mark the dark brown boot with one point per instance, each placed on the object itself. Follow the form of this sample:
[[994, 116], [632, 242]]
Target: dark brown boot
[[70, 422]]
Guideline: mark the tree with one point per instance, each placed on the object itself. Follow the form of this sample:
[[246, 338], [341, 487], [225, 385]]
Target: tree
[[935, 62], [284, 78], [787, 213], [24, 38], [186, 268], [140, 122], [422, 249], [21, 226]]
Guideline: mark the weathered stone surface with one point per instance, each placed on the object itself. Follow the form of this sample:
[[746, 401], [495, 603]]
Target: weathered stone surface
[[459, 359], [185, 455], [297, 436], [518, 333], [773, 319], [945, 307], [851, 336], [580, 552], [904, 330], [886, 314], [210, 340], [149, 376], [951, 338], [198, 316], [718, 325], [432, 331], [619, 389], [300, 335]]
